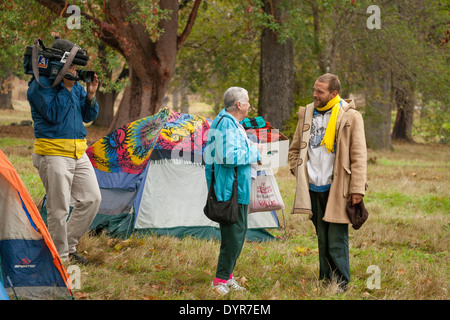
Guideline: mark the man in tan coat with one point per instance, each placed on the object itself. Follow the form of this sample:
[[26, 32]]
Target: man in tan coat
[[328, 156]]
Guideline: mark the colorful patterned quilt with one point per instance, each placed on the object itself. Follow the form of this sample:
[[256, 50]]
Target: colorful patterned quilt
[[129, 148]]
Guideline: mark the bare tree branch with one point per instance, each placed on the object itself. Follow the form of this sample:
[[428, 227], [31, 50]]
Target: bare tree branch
[[190, 23]]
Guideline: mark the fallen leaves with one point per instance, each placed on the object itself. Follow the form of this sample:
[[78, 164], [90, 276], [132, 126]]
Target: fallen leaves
[[303, 251], [243, 281], [125, 244], [401, 271], [81, 295]]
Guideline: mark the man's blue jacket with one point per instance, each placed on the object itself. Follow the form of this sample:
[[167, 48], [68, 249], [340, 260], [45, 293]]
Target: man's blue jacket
[[58, 116], [59, 113]]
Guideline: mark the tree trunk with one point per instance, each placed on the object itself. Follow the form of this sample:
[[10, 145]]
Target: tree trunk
[[151, 63], [105, 101], [318, 51], [6, 91], [378, 108], [276, 93], [142, 98], [175, 98], [404, 101], [184, 94]]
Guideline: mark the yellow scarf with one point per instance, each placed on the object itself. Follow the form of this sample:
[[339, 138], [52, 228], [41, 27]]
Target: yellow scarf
[[330, 132]]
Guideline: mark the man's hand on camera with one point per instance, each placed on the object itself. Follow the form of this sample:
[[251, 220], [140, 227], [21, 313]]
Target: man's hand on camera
[[69, 83], [92, 88]]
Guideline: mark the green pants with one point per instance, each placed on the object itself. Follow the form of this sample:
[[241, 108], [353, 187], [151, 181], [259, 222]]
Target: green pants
[[332, 242], [232, 241]]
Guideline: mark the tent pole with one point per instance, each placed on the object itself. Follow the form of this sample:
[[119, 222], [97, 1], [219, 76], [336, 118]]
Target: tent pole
[[12, 287], [284, 222]]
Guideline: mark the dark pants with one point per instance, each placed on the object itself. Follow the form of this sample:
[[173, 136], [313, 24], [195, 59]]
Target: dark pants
[[332, 241], [232, 241]]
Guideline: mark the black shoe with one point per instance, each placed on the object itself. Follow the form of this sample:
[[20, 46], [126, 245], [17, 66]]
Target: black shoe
[[79, 259]]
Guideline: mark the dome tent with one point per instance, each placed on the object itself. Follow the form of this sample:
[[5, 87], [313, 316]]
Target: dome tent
[[30, 267], [152, 178]]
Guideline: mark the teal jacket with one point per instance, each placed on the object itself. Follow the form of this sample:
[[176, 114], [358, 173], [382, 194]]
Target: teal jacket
[[229, 146]]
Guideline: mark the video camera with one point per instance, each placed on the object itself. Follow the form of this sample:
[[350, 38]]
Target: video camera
[[83, 75], [50, 61]]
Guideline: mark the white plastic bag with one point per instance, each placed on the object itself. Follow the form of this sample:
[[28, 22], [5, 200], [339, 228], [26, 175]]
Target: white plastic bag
[[265, 194]]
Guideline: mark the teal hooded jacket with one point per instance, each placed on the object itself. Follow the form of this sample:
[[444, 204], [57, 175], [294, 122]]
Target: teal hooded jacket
[[227, 144]]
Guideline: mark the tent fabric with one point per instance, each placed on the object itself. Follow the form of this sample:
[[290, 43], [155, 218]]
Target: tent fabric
[[29, 260], [176, 199], [128, 148], [3, 294], [183, 137], [152, 179]]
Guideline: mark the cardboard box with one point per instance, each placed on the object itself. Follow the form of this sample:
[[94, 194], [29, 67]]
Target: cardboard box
[[276, 148]]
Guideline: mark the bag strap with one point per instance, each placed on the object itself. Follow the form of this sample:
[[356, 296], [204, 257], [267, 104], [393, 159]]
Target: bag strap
[[212, 171], [62, 72]]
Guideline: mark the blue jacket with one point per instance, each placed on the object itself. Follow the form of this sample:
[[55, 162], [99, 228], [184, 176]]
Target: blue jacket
[[228, 145], [59, 113]]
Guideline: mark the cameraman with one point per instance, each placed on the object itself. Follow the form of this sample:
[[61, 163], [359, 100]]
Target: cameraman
[[59, 155]]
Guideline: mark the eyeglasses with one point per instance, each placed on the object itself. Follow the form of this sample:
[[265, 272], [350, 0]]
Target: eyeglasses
[[245, 102]]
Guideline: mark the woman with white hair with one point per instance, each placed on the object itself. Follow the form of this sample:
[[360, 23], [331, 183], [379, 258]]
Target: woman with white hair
[[230, 149]]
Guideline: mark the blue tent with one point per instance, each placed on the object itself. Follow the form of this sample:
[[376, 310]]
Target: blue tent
[[3, 294], [30, 266]]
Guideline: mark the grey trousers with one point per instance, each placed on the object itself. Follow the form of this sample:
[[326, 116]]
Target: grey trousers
[[67, 179]]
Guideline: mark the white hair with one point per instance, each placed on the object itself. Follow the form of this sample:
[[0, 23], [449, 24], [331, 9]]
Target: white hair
[[233, 95]]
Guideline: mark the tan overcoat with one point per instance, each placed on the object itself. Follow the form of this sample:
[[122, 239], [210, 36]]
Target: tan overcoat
[[350, 166]]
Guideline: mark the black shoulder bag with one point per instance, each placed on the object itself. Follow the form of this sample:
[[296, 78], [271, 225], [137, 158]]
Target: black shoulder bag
[[225, 212]]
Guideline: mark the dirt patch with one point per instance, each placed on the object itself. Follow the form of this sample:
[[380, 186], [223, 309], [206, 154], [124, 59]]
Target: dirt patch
[[21, 132], [27, 132]]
